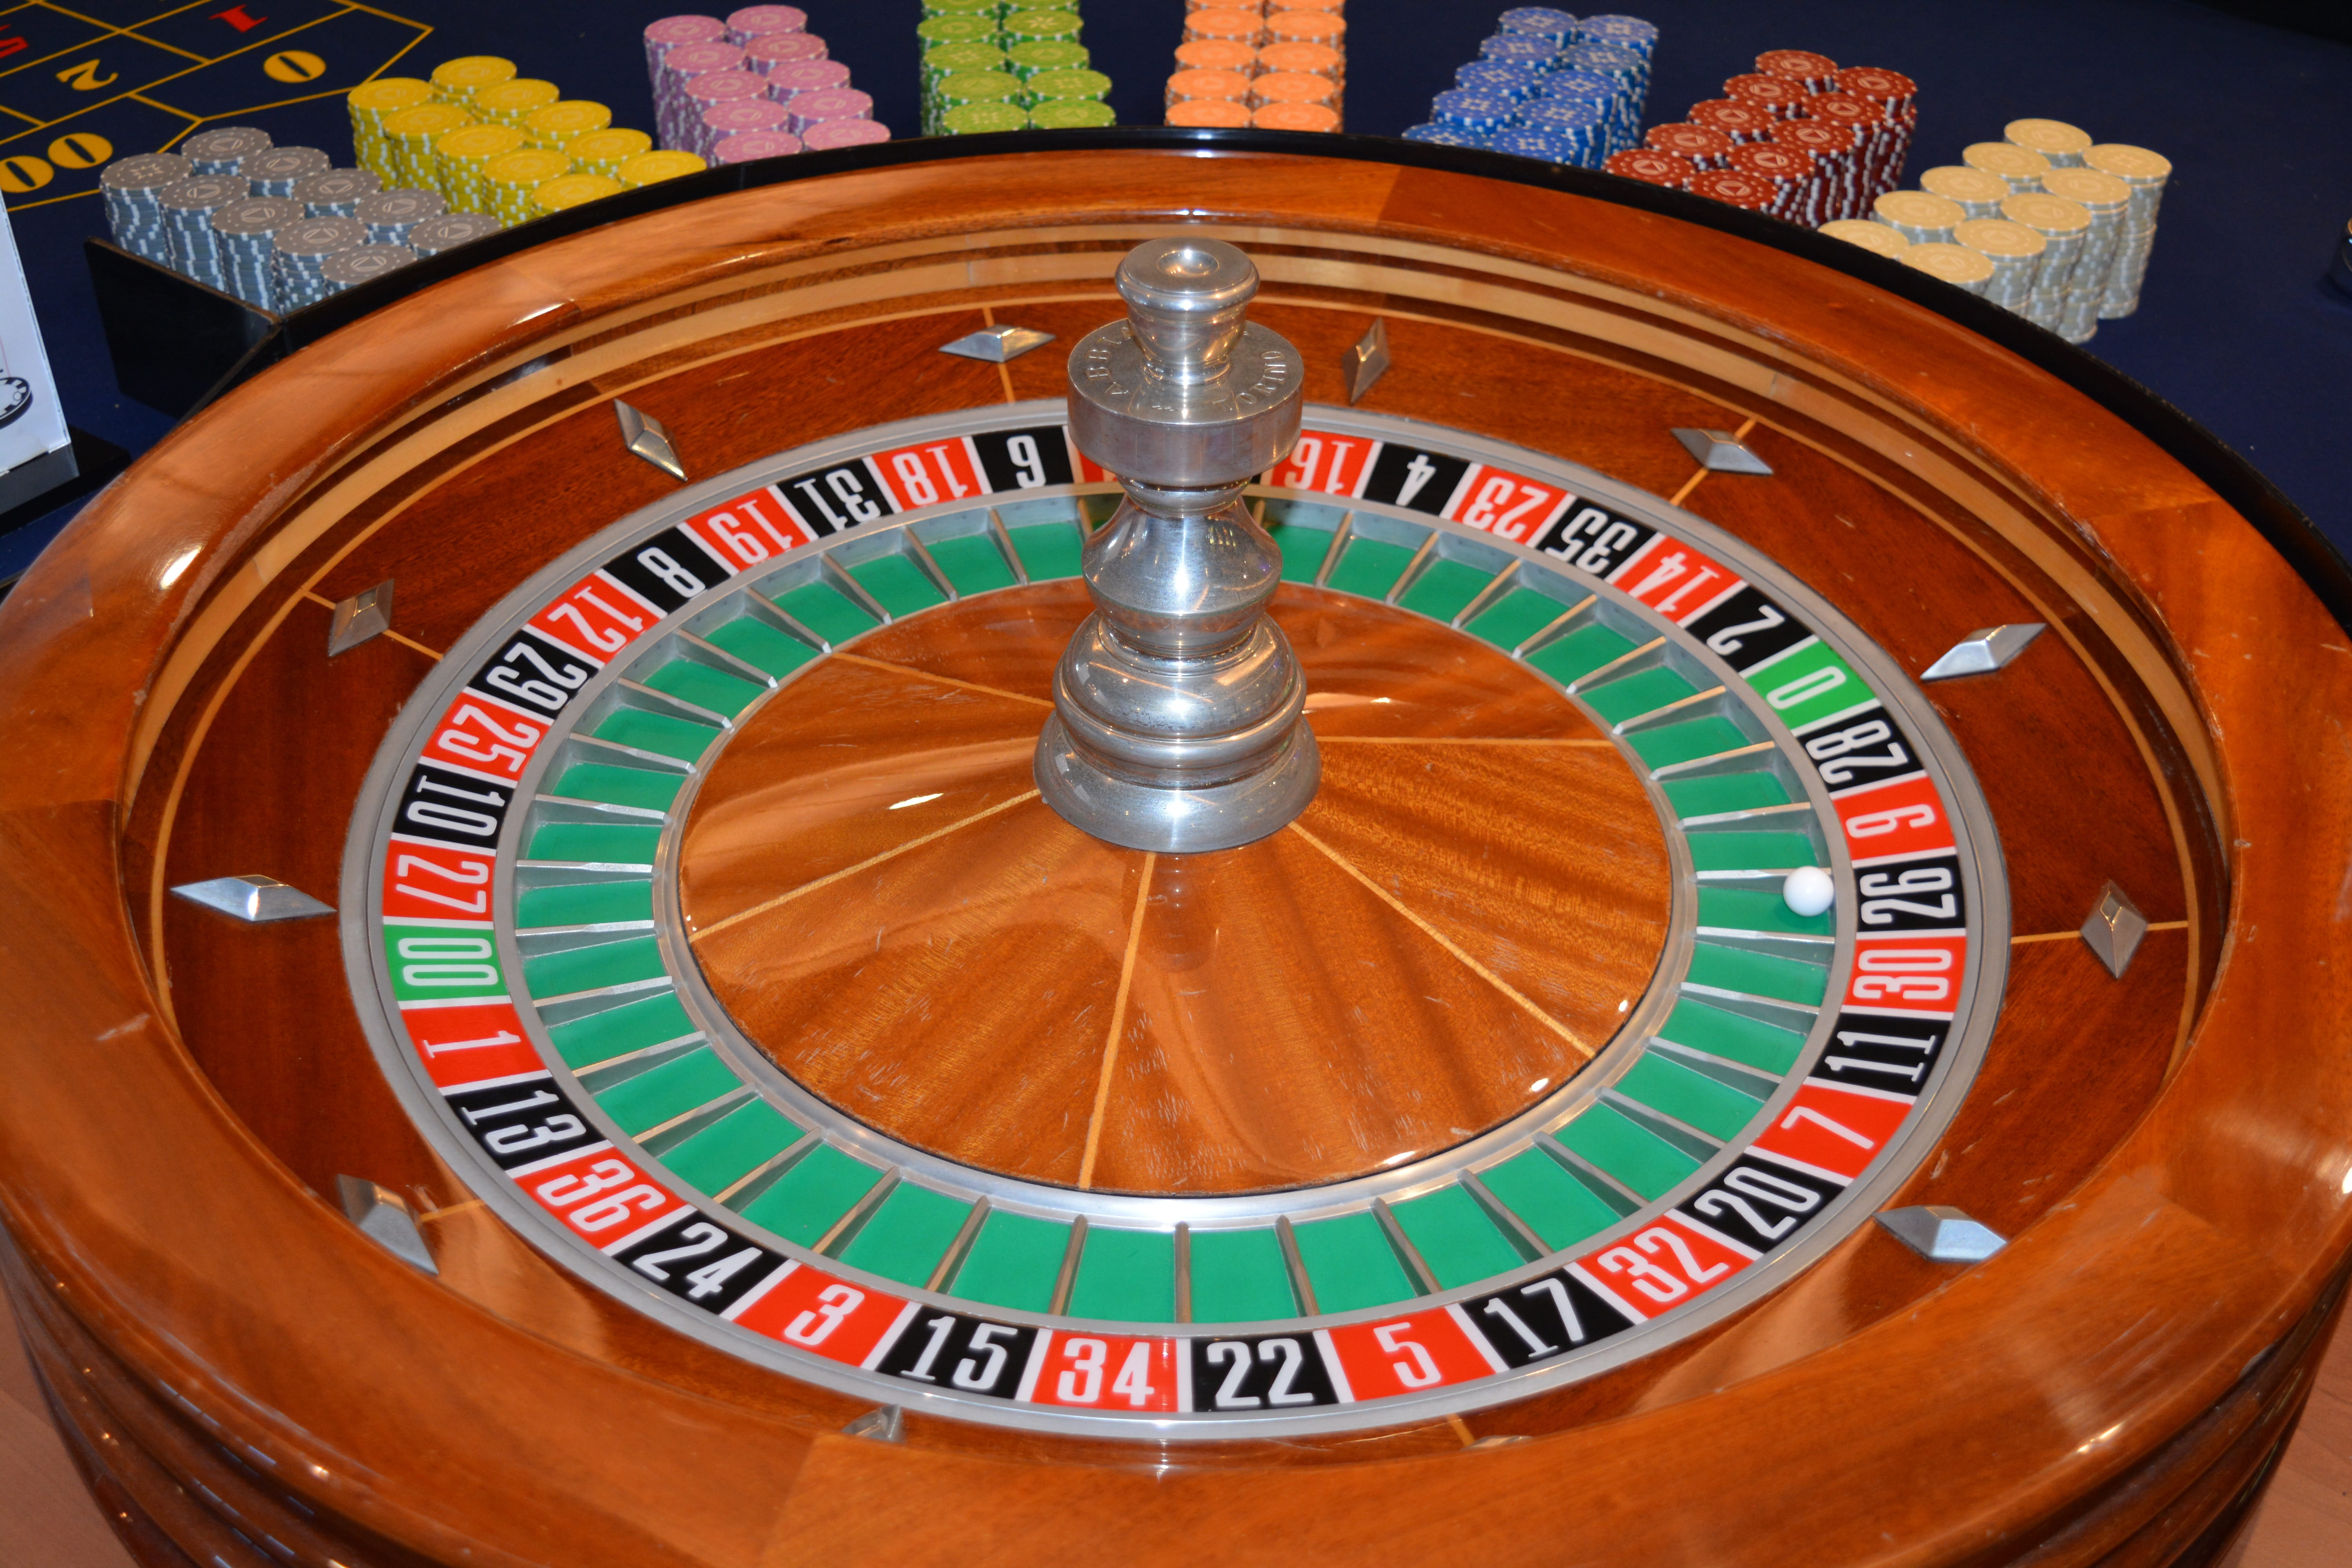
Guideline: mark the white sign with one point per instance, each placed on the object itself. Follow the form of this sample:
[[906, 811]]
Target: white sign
[[31, 422]]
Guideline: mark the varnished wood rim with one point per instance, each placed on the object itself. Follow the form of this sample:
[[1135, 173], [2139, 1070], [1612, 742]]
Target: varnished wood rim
[[2100, 1334], [2248, 490]]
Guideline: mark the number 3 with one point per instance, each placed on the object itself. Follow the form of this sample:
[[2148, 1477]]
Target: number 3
[[834, 1303]]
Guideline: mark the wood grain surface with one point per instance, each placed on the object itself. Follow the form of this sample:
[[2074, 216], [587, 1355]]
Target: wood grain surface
[[2171, 1148], [1455, 928]]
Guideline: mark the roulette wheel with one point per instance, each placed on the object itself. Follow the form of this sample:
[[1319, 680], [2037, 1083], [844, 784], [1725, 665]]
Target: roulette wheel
[[1496, 870]]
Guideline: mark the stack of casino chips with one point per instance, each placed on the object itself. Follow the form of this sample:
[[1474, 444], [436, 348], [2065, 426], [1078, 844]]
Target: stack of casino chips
[[1548, 85], [2013, 252], [188, 208], [133, 215], [462, 156], [603, 151], [759, 73], [244, 234], [276, 170], [388, 216], [225, 151], [1977, 193], [1276, 64], [2144, 174], [652, 168], [2065, 225], [1871, 237], [370, 103], [1919, 217], [1651, 166], [432, 235], [1955, 264], [361, 263], [456, 81], [562, 123], [510, 179], [299, 255], [1831, 139], [410, 137], [1002, 65], [568, 191]]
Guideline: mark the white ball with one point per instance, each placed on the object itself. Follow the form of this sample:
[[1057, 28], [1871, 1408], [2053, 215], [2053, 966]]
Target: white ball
[[1809, 891]]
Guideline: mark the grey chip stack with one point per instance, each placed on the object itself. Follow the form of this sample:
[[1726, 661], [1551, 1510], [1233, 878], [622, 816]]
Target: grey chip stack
[[335, 193], [188, 208], [133, 215], [275, 170], [432, 236], [303, 248], [225, 151], [390, 215], [246, 233]]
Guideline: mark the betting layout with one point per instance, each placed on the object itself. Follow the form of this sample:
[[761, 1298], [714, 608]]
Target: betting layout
[[1744, 1121], [82, 85]]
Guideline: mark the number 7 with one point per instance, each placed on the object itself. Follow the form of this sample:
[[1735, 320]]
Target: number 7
[[1806, 1113]]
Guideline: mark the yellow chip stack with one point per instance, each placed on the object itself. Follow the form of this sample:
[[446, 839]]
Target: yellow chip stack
[[510, 179], [567, 191], [369, 102], [603, 151], [456, 81], [650, 168], [408, 138], [558, 124], [511, 103], [462, 155]]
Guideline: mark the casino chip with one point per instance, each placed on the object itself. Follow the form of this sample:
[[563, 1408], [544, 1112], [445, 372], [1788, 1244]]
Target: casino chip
[[224, 151], [275, 170], [362, 262], [1317, 117], [1653, 167], [1918, 217], [299, 257], [456, 81], [1955, 264], [335, 193], [432, 235], [2063, 144], [1870, 236], [462, 155], [389, 215], [835, 134], [2020, 168], [1073, 114], [1215, 113], [1735, 188], [188, 207], [1444, 135], [133, 215], [652, 168], [982, 119], [568, 191], [245, 237]]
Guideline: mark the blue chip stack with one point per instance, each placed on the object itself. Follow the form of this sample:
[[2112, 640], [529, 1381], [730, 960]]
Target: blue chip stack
[[1468, 109], [1548, 85]]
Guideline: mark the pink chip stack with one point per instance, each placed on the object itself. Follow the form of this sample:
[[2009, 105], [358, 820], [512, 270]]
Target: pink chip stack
[[746, 146], [681, 64], [788, 82], [770, 51], [708, 91], [810, 110], [828, 134], [759, 21], [742, 116], [661, 36]]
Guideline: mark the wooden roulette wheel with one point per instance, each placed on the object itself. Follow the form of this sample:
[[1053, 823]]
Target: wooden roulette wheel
[[816, 1146]]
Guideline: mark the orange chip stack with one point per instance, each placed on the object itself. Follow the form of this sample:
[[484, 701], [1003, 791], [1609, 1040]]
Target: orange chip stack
[[1216, 54], [1215, 113], [1296, 117], [1287, 55], [1195, 87], [1231, 24]]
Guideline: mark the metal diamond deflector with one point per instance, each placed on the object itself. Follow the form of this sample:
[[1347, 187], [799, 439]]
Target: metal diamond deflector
[[645, 436], [997, 344], [257, 899], [1943, 1235], [383, 1215], [2114, 930], [1718, 453], [885, 1425], [366, 614], [1368, 360], [1984, 650]]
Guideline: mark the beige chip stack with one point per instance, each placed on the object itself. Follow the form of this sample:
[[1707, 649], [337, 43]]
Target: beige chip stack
[[2021, 170], [2145, 173], [2061, 144], [1955, 264], [2105, 198], [1918, 217], [1877, 237], [1979, 193], [2014, 251], [2065, 230]]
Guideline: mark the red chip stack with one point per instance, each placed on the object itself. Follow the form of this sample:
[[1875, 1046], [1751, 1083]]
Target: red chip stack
[[1821, 143], [1705, 148], [1896, 97], [1777, 96], [1653, 167], [1735, 187], [1791, 171], [1740, 122]]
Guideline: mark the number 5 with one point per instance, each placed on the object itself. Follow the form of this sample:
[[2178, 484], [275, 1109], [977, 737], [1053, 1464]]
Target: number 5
[[1422, 1371]]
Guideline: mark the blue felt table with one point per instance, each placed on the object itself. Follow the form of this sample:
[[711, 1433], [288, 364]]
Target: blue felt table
[[2235, 326]]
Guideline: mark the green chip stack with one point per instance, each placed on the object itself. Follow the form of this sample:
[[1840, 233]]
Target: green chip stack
[[980, 118], [982, 57]]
